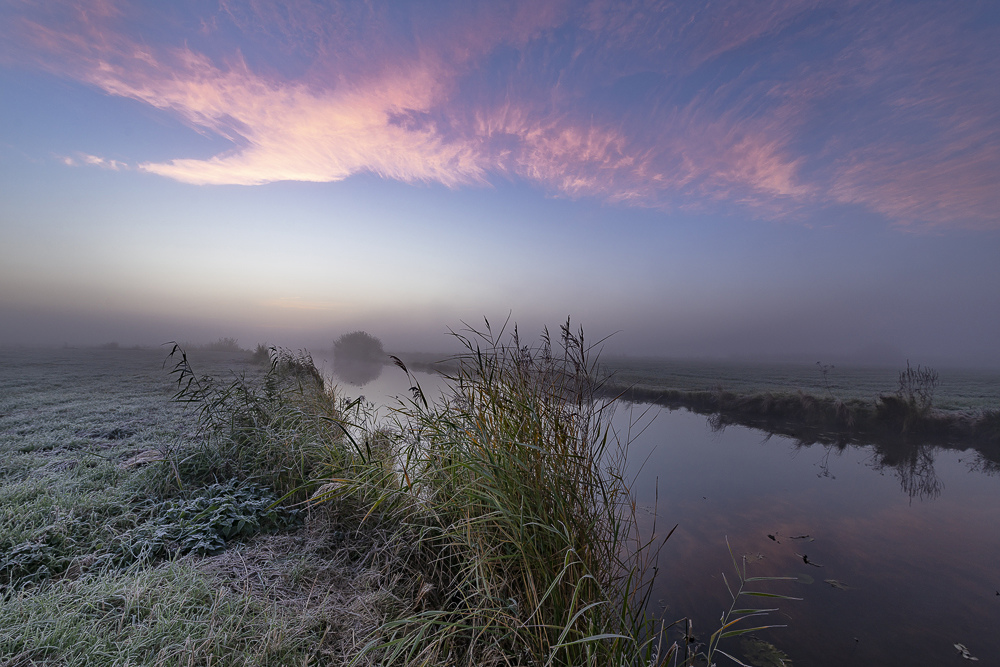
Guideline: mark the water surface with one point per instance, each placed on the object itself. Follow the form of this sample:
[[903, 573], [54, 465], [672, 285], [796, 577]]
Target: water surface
[[911, 538], [920, 562]]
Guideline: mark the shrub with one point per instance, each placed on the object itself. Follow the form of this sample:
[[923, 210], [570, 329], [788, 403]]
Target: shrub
[[359, 346], [916, 387], [224, 345], [262, 354], [911, 404]]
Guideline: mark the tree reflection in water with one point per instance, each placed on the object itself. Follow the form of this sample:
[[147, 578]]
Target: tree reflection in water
[[911, 460], [357, 372], [914, 465]]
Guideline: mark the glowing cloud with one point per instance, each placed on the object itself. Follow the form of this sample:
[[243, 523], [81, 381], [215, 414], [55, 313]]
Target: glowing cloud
[[291, 132], [783, 111]]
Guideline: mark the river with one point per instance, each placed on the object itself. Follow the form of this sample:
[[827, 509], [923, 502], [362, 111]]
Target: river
[[896, 554]]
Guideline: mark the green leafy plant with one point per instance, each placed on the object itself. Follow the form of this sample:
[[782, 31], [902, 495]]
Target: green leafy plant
[[42, 553], [205, 523], [29, 563]]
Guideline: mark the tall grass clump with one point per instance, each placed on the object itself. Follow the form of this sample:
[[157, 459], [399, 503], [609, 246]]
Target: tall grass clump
[[227, 344], [509, 493], [278, 430], [910, 407]]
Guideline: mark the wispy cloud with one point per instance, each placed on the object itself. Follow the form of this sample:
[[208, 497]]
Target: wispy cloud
[[295, 132], [104, 163], [83, 159], [783, 111]]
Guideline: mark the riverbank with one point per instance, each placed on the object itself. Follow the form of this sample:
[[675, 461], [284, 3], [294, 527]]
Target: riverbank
[[803, 404], [888, 420], [272, 522]]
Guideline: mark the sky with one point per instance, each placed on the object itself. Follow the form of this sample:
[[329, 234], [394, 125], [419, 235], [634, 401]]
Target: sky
[[810, 180]]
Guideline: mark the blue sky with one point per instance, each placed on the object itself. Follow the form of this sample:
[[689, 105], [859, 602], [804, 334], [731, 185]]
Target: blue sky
[[771, 179]]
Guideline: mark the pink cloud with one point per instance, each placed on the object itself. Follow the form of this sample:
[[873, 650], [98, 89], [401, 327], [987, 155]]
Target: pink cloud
[[895, 114], [691, 163], [291, 131], [937, 161]]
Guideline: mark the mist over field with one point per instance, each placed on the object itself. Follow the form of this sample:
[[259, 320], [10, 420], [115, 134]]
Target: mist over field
[[807, 333], [797, 181]]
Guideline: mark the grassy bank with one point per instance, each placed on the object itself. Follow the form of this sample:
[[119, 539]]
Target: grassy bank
[[827, 411], [890, 419], [272, 522], [113, 527]]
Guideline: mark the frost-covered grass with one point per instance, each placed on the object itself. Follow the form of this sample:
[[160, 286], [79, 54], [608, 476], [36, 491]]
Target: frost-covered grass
[[92, 547]]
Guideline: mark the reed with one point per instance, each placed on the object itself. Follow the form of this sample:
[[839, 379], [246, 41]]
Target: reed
[[278, 430], [522, 542]]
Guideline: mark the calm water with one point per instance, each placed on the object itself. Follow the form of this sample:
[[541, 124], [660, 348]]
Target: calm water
[[922, 570], [915, 541]]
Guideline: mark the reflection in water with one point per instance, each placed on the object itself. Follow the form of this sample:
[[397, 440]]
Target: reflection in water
[[357, 372], [914, 465], [984, 464], [912, 462], [892, 569]]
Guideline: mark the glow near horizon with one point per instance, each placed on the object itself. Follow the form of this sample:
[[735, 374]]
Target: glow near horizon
[[630, 163]]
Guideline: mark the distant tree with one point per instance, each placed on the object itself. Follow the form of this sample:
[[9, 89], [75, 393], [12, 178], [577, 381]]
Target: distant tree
[[358, 357], [359, 346]]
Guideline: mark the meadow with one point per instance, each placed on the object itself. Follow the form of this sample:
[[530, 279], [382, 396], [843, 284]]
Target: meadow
[[105, 561]]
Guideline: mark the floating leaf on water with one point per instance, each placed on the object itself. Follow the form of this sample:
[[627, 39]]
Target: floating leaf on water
[[801, 537], [804, 578], [964, 652], [805, 559], [837, 584], [760, 653]]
